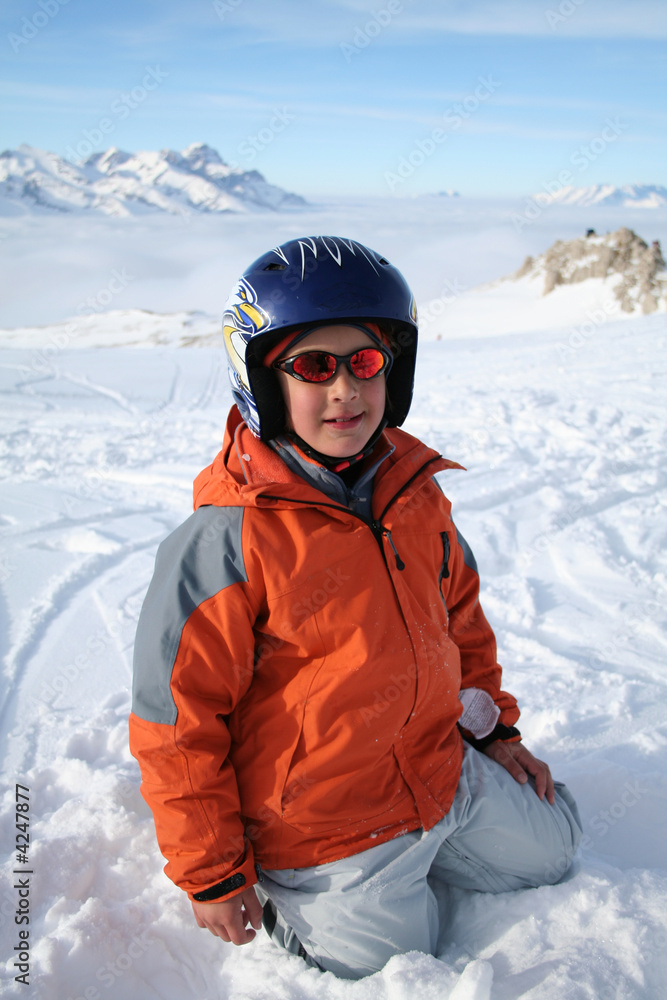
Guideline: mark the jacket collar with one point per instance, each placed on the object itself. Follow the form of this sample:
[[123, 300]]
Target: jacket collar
[[248, 472]]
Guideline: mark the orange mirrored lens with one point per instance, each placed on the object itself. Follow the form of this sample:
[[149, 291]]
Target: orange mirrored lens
[[315, 366], [367, 363], [319, 366]]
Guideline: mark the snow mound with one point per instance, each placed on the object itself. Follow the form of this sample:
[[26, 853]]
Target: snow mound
[[122, 184], [116, 328]]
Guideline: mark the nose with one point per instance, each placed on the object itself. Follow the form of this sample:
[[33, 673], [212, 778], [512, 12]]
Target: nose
[[343, 385]]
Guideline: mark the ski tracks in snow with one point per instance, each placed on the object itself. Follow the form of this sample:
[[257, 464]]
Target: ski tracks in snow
[[563, 505]]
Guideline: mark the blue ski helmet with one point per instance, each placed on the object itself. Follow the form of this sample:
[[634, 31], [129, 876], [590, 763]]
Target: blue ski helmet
[[311, 282]]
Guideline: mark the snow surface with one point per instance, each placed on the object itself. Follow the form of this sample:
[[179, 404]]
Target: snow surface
[[564, 503]]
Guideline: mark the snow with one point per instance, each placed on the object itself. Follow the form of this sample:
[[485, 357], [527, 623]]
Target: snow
[[122, 184], [627, 196], [562, 430]]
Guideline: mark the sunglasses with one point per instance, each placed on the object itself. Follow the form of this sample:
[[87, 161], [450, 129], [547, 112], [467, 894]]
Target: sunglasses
[[321, 366]]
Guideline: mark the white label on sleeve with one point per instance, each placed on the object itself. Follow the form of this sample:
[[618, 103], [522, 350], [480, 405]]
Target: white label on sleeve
[[480, 712]]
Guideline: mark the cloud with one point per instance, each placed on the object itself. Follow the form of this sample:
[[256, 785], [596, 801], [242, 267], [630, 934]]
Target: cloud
[[418, 21], [571, 18]]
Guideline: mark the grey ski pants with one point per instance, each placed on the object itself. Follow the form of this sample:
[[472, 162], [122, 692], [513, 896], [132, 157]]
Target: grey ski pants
[[351, 916]]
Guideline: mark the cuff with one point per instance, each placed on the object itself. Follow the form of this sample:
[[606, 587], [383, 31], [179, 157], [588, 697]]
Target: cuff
[[501, 732], [245, 876]]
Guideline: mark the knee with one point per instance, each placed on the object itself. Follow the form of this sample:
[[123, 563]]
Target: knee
[[569, 824]]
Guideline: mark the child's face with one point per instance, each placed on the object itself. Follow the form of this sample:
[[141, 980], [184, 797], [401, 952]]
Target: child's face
[[338, 417]]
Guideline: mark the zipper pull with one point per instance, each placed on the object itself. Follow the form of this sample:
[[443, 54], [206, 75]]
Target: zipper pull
[[399, 562], [380, 530], [445, 555]]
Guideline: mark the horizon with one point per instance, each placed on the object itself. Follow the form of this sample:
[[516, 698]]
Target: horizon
[[395, 98]]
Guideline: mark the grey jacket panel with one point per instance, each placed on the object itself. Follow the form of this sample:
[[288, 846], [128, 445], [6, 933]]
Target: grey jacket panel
[[468, 556], [198, 560]]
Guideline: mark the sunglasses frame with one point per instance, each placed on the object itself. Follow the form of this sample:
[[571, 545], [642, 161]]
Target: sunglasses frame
[[287, 364]]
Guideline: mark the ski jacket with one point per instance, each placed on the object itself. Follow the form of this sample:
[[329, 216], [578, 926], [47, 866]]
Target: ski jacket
[[298, 666]]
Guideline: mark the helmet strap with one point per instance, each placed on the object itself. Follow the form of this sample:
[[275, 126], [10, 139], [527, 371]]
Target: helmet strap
[[338, 464]]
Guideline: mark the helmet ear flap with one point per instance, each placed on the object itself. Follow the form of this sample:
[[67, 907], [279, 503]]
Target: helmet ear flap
[[265, 386], [400, 380]]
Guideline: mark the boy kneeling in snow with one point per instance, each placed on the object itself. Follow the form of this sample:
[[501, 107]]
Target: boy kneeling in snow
[[317, 709]]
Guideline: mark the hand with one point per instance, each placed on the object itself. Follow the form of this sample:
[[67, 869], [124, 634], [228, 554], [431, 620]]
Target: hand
[[520, 763], [228, 920]]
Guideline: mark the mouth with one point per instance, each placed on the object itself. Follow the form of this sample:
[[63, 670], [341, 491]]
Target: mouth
[[345, 423]]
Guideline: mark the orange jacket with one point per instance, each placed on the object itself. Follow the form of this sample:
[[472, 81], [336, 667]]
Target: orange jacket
[[297, 667]]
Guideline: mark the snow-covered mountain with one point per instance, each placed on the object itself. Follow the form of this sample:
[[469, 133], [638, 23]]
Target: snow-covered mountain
[[626, 196], [118, 183]]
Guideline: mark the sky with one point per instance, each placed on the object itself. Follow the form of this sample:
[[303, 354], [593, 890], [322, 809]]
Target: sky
[[350, 97]]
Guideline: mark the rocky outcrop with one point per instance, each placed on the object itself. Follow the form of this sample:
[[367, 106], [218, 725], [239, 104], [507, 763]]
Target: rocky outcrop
[[636, 269]]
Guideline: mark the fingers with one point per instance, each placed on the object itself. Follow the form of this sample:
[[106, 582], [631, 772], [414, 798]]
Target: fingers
[[520, 763], [502, 754], [253, 908], [236, 928], [228, 920], [544, 785]]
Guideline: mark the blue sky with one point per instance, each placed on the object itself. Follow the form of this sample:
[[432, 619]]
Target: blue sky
[[351, 97]]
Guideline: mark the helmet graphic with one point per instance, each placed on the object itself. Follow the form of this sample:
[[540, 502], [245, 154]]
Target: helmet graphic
[[311, 282]]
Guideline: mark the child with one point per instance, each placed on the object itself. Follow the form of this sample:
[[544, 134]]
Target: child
[[317, 709]]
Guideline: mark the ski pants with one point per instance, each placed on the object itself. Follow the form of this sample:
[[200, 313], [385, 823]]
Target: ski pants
[[351, 916]]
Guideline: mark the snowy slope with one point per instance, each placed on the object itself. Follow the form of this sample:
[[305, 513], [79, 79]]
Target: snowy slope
[[122, 184], [581, 283], [564, 503]]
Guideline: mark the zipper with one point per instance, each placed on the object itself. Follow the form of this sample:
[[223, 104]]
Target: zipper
[[376, 526]]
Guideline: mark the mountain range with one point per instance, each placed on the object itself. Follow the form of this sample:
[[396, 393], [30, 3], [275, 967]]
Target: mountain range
[[626, 196], [122, 184], [198, 180]]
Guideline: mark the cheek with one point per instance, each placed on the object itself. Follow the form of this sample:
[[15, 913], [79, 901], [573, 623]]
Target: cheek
[[377, 395], [298, 402]]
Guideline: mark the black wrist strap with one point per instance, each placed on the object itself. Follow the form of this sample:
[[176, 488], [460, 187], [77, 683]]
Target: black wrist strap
[[501, 732], [221, 889]]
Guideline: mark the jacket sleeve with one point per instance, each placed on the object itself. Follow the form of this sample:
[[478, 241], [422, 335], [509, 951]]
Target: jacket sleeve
[[193, 662], [472, 633]]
